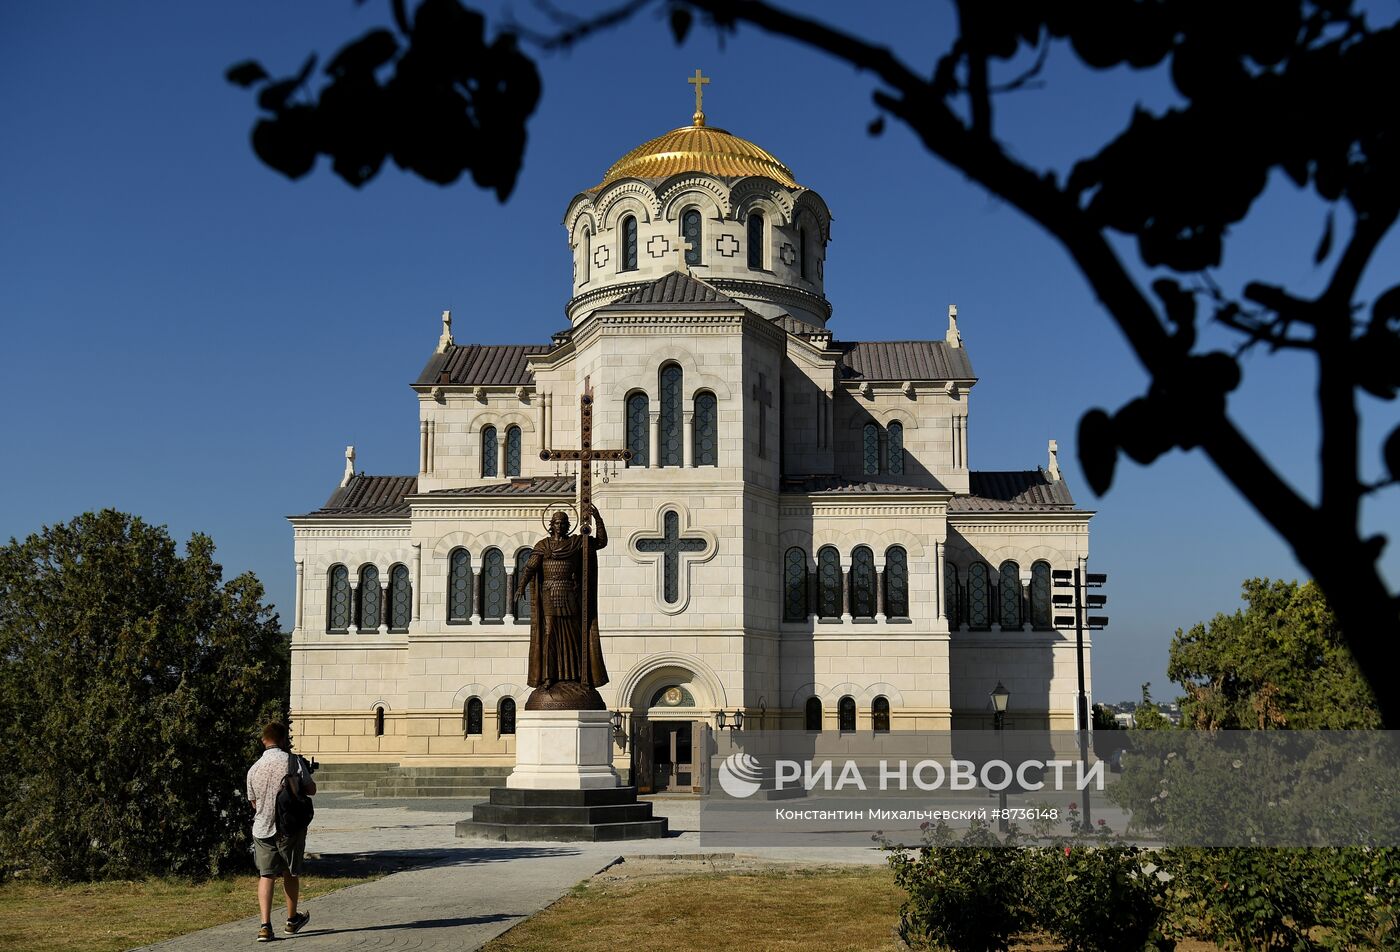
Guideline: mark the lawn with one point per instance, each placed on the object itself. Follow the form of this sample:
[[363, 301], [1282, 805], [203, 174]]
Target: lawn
[[108, 917]]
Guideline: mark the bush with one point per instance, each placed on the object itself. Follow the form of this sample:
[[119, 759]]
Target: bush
[[133, 681], [967, 896], [1099, 898]]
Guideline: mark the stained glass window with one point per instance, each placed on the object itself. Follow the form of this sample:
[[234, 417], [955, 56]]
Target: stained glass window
[[471, 716], [846, 714], [813, 714], [506, 712], [706, 425], [629, 243], [638, 429], [979, 596], [488, 451], [952, 595], [880, 714], [756, 241], [522, 600], [894, 449], [400, 598], [371, 605], [459, 586], [1010, 595], [493, 596], [802, 252], [870, 449], [690, 231], [338, 599], [829, 582], [862, 583], [671, 545], [587, 255], [795, 585], [672, 432], [513, 451], [1040, 595], [896, 583]]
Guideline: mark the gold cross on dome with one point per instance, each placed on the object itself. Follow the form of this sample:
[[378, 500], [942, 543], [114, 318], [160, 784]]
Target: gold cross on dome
[[699, 81]]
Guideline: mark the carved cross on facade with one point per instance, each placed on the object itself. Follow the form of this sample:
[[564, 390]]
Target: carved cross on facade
[[686, 247], [764, 397], [670, 545]]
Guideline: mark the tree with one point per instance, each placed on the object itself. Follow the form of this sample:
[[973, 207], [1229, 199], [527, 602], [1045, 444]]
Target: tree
[[1284, 85], [1280, 662], [133, 682], [1147, 716]]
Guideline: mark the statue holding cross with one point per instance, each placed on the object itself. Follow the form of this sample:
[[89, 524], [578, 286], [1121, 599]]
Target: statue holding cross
[[566, 655]]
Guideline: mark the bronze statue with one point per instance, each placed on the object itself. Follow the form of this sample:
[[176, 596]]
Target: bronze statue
[[566, 661]]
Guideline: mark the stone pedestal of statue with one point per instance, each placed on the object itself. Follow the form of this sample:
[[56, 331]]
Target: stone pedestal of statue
[[563, 750]]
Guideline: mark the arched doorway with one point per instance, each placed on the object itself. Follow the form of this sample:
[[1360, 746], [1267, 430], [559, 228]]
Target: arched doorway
[[670, 736]]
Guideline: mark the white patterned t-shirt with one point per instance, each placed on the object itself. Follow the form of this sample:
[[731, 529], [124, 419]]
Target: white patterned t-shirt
[[264, 780]]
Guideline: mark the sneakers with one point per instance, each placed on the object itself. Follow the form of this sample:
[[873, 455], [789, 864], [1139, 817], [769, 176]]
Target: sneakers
[[265, 933], [295, 923]]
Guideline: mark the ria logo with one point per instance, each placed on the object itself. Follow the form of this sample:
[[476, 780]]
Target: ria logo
[[740, 775]]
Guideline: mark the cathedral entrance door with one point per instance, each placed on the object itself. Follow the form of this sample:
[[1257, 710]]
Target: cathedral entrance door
[[671, 755]]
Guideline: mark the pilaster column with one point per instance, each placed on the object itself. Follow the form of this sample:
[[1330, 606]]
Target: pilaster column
[[432, 446], [879, 591], [417, 584], [654, 439], [846, 582], [299, 614], [940, 581], [501, 451], [688, 451], [813, 592], [1025, 601], [422, 446], [474, 589], [353, 628], [509, 617], [384, 608]]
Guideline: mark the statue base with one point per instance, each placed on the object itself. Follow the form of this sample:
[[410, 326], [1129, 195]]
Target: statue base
[[563, 750], [565, 696]]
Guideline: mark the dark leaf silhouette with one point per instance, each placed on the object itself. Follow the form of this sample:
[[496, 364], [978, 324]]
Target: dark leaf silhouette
[[877, 126], [1324, 245], [1392, 453], [246, 73], [1098, 453], [681, 19]]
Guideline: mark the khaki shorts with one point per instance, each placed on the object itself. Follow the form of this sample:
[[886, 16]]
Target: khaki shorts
[[277, 856]]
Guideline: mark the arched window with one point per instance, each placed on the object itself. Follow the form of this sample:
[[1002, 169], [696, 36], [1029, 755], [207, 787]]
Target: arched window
[[400, 598], [506, 715], [522, 597], [584, 270], [802, 253], [896, 583], [862, 583], [952, 594], [690, 233], [829, 582], [705, 452], [880, 714], [513, 451], [672, 433], [379, 722], [813, 714], [846, 714], [1010, 585], [979, 596], [493, 585], [371, 607], [629, 243], [1040, 595], [471, 717], [488, 451], [870, 449], [459, 586], [756, 243], [795, 585], [338, 599], [638, 429], [894, 449]]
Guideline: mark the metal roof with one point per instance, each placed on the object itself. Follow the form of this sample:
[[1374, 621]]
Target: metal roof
[[817, 485], [675, 288], [370, 496], [531, 486], [904, 360], [481, 365], [1013, 491]]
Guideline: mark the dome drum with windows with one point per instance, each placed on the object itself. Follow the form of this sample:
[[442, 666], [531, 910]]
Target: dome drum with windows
[[702, 200]]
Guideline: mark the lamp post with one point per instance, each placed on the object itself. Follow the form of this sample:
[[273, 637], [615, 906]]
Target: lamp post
[[1000, 698], [1081, 602], [734, 722]]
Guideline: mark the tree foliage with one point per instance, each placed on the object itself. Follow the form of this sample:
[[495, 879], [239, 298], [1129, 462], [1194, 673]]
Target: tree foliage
[[1281, 662], [1264, 86], [134, 681]]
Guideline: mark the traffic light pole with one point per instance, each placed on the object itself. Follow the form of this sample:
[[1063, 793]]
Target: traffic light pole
[[1079, 609]]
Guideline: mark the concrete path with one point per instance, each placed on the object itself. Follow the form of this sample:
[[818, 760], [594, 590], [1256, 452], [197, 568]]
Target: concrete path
[[459, 894]]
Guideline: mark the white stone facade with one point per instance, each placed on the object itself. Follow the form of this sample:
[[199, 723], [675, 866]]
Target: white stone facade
[[822, 502]]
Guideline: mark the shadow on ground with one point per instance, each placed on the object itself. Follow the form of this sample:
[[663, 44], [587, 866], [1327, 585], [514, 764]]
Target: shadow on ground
[[393, 861]]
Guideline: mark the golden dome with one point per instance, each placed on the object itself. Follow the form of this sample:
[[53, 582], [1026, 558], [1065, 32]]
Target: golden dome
[[698, 148]]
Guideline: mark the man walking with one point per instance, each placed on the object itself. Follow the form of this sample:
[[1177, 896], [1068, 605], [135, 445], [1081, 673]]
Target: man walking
[[276, 855]]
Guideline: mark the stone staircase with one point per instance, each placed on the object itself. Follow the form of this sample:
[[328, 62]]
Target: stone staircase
[[376, 781]]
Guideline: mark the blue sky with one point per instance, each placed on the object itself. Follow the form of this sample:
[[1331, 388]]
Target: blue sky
[[191, 337]]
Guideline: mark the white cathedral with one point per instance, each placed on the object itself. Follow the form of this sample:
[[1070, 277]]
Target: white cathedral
[[798, 537]]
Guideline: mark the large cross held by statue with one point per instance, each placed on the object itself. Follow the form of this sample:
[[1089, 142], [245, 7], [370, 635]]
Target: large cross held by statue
[[585, 456]]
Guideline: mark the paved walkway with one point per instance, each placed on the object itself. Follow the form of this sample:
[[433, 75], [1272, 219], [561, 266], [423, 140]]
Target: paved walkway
[[460, 893]]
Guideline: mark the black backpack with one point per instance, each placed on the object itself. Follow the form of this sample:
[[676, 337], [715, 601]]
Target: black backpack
[[294, 808]]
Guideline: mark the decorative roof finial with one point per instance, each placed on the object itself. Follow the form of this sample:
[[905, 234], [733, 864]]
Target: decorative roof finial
[[1054, 471], [445, 341], [953, 338], [349, 466], [699, 81]]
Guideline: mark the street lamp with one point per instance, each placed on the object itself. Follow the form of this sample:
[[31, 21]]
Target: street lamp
[[1000, 699], [619, 735], [734, 722]]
